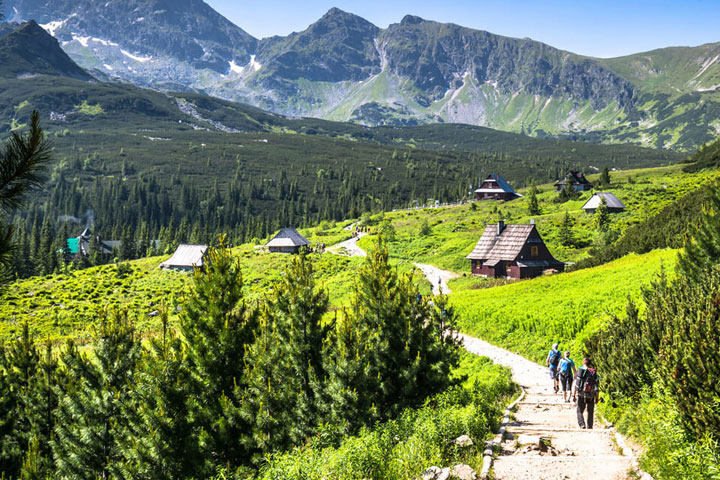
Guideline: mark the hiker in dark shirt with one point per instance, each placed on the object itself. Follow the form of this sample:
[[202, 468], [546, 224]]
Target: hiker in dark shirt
[[586, 391], [552, 361]]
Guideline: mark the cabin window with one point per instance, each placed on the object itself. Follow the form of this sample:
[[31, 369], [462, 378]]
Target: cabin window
[[534, 251]]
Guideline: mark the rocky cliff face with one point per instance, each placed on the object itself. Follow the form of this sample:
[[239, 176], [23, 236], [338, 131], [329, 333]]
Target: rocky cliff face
[[187, 30]]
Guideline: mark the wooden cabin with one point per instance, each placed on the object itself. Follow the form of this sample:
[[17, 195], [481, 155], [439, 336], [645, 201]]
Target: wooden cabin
[[494, 187], [512, 251], [186, 258], [613, 204], [576, 179], [287, 240]]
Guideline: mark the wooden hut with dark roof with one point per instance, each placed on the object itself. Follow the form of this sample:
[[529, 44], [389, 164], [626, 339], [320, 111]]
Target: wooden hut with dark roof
[[287, 240], [512, 251], [496, 188], [576, 179]]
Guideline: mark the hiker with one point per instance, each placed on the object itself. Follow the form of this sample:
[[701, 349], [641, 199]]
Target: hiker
[[567, 371], [552, 361], [586, 391]]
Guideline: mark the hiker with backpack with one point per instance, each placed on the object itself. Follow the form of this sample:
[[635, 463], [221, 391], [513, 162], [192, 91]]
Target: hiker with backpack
[[552, 361], [586, 391], [567, 371]]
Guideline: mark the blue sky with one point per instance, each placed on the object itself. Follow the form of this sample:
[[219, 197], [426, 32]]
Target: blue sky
[[601, 28]]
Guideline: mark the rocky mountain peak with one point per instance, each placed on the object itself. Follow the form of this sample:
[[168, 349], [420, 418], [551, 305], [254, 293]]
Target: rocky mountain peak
[[30, 50], [411, 20]]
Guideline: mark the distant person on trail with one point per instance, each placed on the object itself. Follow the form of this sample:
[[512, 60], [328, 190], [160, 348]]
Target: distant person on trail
[[567, 370], [552, 361], [586, 391]]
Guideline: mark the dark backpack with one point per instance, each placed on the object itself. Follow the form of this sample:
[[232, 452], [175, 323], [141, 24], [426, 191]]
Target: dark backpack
[[587, 381], [555, 358]]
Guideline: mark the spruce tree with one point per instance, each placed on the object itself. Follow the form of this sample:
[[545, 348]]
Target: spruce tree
[[217, 327], [94, 404], [533, 204], [299, 308], [602, 217], [161, 440], [566, 235], [702, 249]]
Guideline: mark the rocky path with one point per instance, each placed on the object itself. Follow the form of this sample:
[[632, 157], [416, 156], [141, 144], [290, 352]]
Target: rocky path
[[542, 418]]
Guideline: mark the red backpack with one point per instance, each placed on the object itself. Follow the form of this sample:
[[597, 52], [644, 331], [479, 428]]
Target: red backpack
[[587, 381]]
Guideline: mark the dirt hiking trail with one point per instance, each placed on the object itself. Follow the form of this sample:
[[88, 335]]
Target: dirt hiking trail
[[349, 248], [541, 418], [543, 441]]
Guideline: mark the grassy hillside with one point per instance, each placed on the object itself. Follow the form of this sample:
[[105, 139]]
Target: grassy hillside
[[455, 230], [529, 316]]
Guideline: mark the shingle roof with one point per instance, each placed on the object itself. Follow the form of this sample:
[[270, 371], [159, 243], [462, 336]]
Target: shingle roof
[[506, 246], [288, 237], [575, 178], [186, 256], [610, 199], [501, 183]]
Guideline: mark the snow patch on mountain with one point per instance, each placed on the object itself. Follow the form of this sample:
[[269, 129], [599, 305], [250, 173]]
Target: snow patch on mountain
[[137, 58], [51, 27]]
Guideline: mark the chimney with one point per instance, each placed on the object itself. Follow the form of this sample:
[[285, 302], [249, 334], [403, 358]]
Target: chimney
[[500, 227], [532, 221]]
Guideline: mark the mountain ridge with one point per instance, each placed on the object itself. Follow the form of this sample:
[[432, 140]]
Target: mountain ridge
[[417, 71]]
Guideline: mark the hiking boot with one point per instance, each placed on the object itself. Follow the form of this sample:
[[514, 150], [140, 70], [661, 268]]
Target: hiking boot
[[582, 427]]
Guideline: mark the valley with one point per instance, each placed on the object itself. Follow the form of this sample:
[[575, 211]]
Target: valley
[[343, 252]]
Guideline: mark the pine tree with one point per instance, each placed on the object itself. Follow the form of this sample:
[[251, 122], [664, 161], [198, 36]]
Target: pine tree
[[17, 366], [217, 327], [23, 164], [533, 204], [161, 440], [299, 308], [93, 407], [602, 217], [702, 249], [566, 235], [604, 179], [403, 348]]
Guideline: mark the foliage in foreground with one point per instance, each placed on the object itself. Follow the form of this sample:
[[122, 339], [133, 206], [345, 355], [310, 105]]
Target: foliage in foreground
[[238, 383], [666, 360], [417, 439]]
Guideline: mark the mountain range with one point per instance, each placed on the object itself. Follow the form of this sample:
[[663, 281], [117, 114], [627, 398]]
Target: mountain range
[[344, 68]]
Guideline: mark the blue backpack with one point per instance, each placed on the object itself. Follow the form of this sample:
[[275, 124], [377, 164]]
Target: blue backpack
[[565, 365]]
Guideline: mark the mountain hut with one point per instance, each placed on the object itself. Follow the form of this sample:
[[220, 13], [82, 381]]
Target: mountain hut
[[512, 251], [287, 240], [576, 179], [494, 187], [186, 258], [613, 204]]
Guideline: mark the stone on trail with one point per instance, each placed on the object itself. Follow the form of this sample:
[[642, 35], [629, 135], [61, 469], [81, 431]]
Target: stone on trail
[[463, 441], [463, 472], [436, 473]]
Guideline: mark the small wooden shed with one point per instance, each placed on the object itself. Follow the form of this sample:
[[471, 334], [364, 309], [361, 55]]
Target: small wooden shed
[[287, 240], [186, 258], [512, 251]]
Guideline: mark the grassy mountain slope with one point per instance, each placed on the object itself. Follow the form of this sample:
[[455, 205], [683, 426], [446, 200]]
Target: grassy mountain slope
[[456, 229]]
